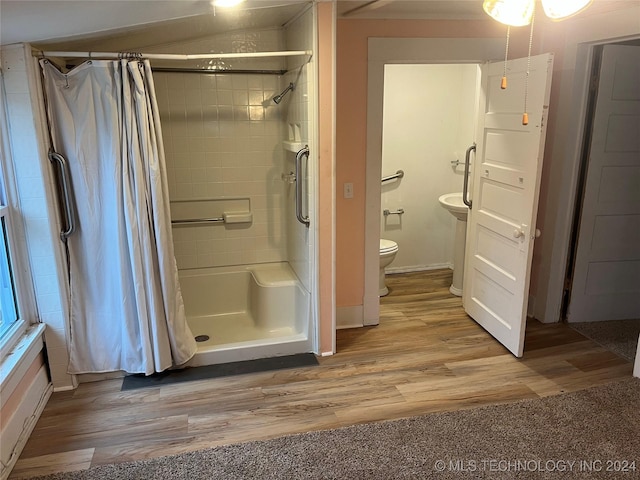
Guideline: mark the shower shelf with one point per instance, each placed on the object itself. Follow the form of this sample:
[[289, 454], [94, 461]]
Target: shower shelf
[[294, 147]]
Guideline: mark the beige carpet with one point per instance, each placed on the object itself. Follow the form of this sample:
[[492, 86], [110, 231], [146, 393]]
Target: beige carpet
[[589, 434], [617, 336]]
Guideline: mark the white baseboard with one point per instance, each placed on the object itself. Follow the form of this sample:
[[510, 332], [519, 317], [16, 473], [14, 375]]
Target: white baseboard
[[19, 427], [349, 317]]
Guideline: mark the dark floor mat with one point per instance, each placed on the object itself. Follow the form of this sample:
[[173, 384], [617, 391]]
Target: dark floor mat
[[132, 382]]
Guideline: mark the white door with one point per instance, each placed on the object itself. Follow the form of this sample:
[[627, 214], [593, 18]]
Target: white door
[[506, 183], [606, 278]]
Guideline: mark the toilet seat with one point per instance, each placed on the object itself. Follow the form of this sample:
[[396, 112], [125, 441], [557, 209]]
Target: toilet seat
[[387, 246]]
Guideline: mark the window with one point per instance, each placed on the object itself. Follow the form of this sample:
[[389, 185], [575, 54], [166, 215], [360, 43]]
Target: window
[[8, 307], [12, 325]]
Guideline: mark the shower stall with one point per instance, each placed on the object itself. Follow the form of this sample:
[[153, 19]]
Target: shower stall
[[239, 139], [236, 180]]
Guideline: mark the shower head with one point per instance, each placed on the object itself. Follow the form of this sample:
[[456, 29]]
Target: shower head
[[278, 98]]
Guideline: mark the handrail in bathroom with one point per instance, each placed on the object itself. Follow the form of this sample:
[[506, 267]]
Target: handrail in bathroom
[[465, 183], [386, 212], [65, 189], [197, 221], [303, 153], [398, 174]]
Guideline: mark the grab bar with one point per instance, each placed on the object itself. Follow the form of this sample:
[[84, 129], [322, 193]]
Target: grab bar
[[465, 183], [386, 212], [197, 221], [398, 174], [299, 181], [65, 181]]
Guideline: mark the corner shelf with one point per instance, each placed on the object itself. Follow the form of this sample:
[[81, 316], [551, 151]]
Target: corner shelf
[[294, 147]]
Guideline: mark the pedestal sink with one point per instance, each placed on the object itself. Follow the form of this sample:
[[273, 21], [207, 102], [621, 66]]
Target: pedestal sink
[[453, 203]]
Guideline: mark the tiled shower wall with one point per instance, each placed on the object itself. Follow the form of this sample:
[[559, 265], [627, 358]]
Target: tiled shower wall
[[223, 138]]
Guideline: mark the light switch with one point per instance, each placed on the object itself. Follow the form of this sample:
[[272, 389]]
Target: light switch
[[348, 190]]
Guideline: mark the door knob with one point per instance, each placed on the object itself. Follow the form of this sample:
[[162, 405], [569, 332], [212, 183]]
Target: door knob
[[517, 233]]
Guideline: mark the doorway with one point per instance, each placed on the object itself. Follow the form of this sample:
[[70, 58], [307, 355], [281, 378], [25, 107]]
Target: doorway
[[389, 51], [428, 123], [603, 271]]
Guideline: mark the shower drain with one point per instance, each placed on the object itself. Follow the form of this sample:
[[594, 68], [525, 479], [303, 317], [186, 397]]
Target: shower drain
[[202, 338]]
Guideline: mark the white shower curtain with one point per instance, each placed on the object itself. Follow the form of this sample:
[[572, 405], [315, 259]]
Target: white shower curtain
[[126, 306]]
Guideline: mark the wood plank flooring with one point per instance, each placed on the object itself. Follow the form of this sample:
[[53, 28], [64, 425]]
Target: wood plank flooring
[[426, 356]]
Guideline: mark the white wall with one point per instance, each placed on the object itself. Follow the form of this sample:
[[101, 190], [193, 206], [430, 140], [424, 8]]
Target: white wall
[[428, 122], [296, 108]]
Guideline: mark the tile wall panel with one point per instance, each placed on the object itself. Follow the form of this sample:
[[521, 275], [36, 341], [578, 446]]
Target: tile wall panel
[[223, 139]]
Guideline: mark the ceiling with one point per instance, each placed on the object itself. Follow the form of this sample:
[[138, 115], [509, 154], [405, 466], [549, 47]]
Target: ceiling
[[58, 22], [50, 21], [415, 9]]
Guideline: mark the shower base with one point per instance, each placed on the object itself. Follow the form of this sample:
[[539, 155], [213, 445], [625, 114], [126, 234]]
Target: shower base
[[248, 312], [233, 328]]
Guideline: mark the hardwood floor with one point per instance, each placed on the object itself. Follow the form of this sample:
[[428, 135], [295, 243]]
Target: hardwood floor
[[426, 356]]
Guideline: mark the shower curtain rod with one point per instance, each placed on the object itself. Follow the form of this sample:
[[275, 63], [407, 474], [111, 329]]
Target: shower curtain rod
[[170, 56]]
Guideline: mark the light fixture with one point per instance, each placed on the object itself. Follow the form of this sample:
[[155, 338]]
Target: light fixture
[[559, 9], [517, 13], [226, 3], [510, 12]]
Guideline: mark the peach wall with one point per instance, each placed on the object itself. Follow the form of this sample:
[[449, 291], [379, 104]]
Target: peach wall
[[326, 40], [351, 125]]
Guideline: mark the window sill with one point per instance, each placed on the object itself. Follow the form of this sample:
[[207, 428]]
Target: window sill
[[15, 364]]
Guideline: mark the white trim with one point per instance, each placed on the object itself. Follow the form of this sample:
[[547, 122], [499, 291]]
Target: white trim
[[23, 421], [313, 112], [349, 317], [383, 51], [636, 366], [14, 227], [334, 321], [66, 388], [11, 337], [14, 366]]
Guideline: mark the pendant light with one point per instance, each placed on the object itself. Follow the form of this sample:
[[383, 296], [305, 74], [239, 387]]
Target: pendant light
[[559, 9], [518, 13], [510, 12], [226, 3]]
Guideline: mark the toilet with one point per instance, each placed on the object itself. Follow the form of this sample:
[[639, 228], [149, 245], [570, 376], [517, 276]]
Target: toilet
[[388, 250]]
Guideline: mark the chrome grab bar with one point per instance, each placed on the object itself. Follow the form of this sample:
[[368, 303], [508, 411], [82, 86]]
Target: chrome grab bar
[[197, 221], [465, 183], [386, 212], [398, 174], [303, 152], [65, 180]]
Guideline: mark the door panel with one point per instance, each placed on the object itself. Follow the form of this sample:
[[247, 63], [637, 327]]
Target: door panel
[[606, 275], [506, 180]]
